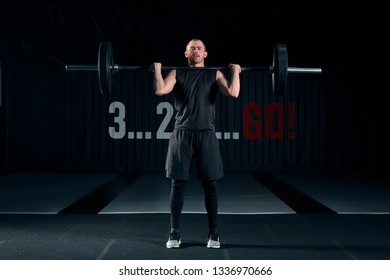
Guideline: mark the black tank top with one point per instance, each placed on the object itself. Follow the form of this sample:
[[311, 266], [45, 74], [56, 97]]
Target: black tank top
[[195, 94]]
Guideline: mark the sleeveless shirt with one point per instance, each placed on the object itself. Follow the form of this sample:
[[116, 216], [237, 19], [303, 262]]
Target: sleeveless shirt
[[195, 94]]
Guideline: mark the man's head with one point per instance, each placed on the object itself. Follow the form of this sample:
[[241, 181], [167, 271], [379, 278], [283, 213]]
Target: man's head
[[195, 53]]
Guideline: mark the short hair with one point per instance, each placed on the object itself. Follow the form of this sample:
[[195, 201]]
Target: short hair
[[196, 39]]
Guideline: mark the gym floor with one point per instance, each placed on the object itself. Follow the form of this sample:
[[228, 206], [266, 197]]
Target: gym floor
[[263, 216]]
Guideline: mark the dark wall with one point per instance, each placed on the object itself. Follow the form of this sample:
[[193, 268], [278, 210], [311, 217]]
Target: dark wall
[[3, 125], [53, 119], [59, 120]]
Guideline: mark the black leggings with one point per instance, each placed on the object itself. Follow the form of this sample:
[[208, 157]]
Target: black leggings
[[177, 202]]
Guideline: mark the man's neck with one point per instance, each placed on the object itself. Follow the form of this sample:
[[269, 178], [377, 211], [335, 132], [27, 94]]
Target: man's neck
[[196, 65]]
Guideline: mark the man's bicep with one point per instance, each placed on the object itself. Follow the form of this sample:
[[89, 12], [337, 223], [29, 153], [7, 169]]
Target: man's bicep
[[222, 83], [170, 80]]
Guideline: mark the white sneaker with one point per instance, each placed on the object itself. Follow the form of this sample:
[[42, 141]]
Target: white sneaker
[[174, 240], [213, 241]]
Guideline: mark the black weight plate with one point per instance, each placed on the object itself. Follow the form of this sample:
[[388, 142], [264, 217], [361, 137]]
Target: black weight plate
[[280, 69], [105, 70]]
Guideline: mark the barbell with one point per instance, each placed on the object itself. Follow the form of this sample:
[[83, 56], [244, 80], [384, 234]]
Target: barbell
[[106, 68]]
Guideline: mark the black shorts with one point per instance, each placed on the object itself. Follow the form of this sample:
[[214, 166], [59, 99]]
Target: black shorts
[[202, 147]]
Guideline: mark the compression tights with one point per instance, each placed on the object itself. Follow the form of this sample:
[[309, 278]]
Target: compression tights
[[177, 202]]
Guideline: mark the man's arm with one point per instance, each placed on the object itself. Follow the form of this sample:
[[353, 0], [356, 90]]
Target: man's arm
[[162, 86], [231, 88]]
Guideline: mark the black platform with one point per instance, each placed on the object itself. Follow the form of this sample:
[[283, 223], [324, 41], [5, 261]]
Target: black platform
[[263, 216]]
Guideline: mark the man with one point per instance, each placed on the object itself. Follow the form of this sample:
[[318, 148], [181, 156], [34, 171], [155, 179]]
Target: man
[[193, 137]]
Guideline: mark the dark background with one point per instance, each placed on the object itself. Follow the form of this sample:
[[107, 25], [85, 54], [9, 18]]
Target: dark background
[[345, 40], [68, 32]]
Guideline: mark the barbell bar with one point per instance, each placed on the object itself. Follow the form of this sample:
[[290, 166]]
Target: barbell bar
[[106, 68], [116, 68]]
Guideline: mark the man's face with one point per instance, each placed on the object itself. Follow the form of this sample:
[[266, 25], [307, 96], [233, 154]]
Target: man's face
[[195, 52]]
